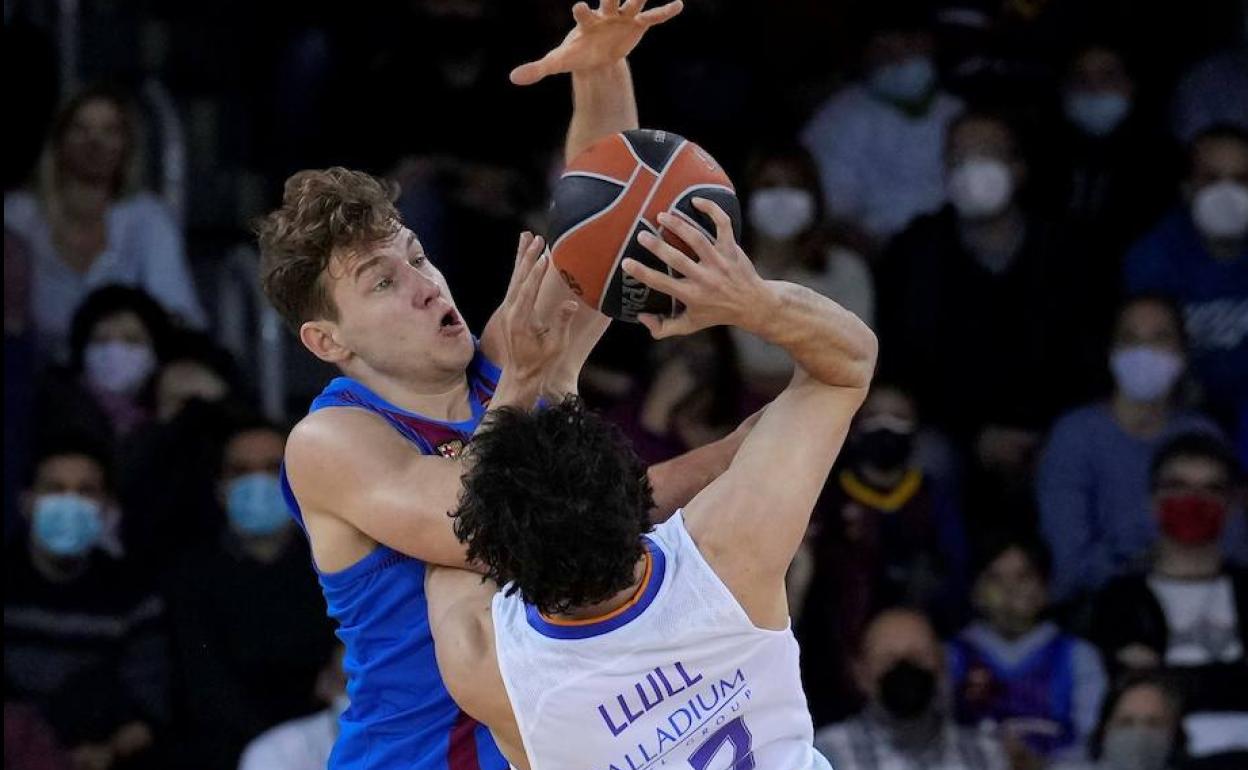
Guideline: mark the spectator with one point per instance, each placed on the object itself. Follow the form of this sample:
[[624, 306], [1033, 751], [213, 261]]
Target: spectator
[[906, 723], [1092, 482], [693, 398], [1199, 255], [1107, 172], [168, 468], [878, 141], [83, 632], [1139, 729], [787, 240], [29, 743], [117, 339], [1213, 92], [1189, 611], [884, 533], [979, 312], [89, 225], [249, 627], [1011, 668], [304, 743]]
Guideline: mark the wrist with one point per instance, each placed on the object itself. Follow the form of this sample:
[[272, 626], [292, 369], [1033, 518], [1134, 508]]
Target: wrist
[[766, 318], [517, 389]]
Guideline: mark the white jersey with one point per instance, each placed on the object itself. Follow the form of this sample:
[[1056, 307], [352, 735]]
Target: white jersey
[[679, 678]]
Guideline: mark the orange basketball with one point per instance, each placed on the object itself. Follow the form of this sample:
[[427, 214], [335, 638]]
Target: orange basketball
[[613, 191]]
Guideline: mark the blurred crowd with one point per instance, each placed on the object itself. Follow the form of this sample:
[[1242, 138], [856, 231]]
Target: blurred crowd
[[1032, 552]]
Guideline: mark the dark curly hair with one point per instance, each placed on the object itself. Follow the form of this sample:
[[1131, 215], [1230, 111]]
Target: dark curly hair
[[555, 502]]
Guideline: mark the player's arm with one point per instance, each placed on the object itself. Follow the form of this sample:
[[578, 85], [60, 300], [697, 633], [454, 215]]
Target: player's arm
[[360, 483], [463, 641], [750, 521], [595, 53]]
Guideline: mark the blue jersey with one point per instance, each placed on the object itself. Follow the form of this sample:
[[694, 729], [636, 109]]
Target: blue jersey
[[401, 715]]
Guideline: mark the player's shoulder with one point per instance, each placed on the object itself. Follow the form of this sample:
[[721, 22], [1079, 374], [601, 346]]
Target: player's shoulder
[[339, 435]]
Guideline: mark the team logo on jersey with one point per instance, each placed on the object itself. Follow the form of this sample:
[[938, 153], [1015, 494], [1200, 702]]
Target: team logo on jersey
[[451, 449]]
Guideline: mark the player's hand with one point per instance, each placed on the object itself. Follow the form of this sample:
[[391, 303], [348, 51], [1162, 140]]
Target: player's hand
[[721, 288], [599, 38], [531, 343]]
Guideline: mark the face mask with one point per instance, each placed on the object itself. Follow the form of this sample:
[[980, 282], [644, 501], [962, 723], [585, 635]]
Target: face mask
[[66, 524], [1191, 519], [885, 448], [907, 690], [1221, 210], [1145, 373], [118, 367], [781, 213], [980, 187], [1097, 113], [1136, 747], [255, 505], [905, 82]]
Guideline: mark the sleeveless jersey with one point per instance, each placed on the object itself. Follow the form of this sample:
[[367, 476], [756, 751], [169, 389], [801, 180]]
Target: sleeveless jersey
[[677, 678], [1035, 695], [401, 715]]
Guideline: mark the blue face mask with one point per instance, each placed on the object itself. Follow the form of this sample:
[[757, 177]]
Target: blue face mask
[[906, 82], [66, 524], [255, 505], [1097, 113]]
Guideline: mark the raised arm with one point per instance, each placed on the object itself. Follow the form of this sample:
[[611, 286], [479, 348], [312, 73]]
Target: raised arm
[[359, 483], [595, 53], [749, 522]]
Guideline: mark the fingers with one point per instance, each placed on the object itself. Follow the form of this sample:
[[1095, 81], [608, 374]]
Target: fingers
[[653, 323], [526, 239], [660, 327], [662, 13], [671, 256], [692, 236], [654, 279], [562, 329], [724, 237], [582, 15], [631, 7], [527, 295], [609, 7]]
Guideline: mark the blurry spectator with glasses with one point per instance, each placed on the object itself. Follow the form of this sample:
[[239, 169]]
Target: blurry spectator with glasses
[[1189, 611]]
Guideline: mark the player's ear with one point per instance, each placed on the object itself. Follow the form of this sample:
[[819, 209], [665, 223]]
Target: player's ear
[[320, 337]]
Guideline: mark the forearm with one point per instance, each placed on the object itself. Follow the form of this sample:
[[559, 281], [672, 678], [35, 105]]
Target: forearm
[[603, 103], [676, 481], [827, 342]]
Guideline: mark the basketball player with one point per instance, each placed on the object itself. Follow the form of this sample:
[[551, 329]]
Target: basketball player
[[615, 646], [372, 471]]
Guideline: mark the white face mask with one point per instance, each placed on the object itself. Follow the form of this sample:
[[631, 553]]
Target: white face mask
[[1221, 210], [1143, 372], [1097, 113], [118, 367], [780, 213], [980, 187], [906, 82]]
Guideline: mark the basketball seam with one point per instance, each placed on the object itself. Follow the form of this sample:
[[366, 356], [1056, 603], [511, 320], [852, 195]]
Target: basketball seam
[[619, 256], [603, 212], [592, 175], [690, 219]]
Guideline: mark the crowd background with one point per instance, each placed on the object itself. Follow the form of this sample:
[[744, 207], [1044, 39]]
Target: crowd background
[[1031, 553]]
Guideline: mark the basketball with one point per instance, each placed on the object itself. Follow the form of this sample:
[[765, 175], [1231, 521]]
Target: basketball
[[613, 191]]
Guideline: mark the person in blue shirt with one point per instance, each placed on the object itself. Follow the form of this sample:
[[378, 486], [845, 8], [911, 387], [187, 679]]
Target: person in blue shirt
[[1198, 254], [1092, 480], [371, 472], [1016, 670]]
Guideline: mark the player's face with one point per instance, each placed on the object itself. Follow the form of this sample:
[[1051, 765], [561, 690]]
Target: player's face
[[395, 312]]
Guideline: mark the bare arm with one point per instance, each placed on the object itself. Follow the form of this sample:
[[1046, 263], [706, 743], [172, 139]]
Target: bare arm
[[463, 641], [676, 481], [750, 521]]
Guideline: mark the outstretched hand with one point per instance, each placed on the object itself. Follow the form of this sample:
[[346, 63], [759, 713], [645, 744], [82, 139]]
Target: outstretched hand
[[531, 343], [722, 287], [599, 38]]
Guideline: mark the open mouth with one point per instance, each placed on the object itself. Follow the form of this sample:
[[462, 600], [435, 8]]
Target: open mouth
[[449, 320]]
